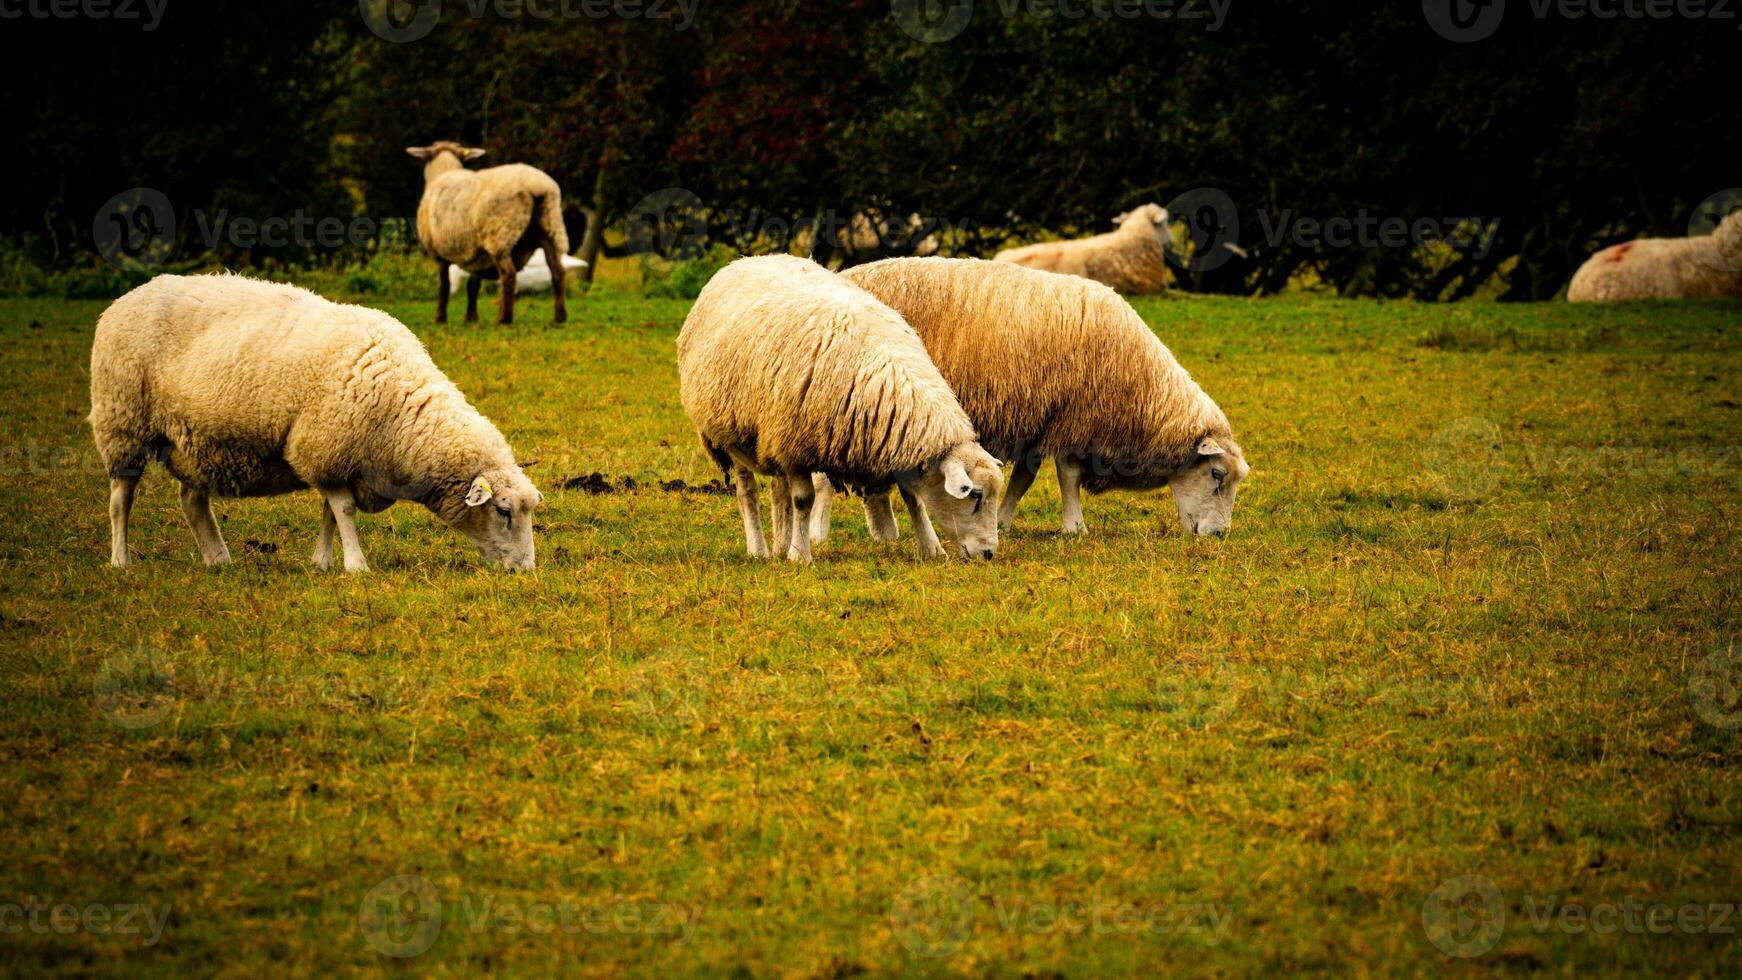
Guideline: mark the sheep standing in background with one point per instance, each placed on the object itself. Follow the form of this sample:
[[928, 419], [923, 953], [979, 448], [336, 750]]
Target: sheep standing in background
[[1707, 267], [534, 277], [1132, 259], [488, 222], [787, 370], [1060, 367], [243, 388]]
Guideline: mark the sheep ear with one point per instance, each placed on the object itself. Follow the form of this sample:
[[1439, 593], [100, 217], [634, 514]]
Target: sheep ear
[[956, 482], [1210, 447], [472, 153], [1162, 219], [421, 152], [1119, 218], [480, 493]]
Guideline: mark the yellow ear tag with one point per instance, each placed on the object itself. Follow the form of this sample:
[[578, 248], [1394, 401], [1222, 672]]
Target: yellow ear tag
[[486, 485]]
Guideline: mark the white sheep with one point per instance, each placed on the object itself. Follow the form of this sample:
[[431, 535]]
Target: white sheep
[[1132, 259], [1706, 267], [488, 221], [243, 388], [1051, 366], [787, 370], [534, 277]]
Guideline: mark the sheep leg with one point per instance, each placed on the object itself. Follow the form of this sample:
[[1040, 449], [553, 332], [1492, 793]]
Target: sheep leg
[[781, 491], [880, 517], [554, 258], [120, 508], [343, 508], [825, 499], [506, 272], [923, 533], [744, 482], [802, 496], [196, 505], [443, 288], [1070, 478], [1021, 478], [323, 556], [473, 285]]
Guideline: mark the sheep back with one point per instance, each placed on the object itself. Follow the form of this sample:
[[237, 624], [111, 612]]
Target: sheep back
[[1054, 363], [472, 217], [250, 388], [786, 363]]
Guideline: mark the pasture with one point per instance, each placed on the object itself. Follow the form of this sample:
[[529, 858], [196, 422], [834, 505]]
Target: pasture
[[1472, 620]]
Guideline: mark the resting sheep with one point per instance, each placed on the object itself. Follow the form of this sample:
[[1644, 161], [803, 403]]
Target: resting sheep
[[1707, 267], [787, 370], [242, 388], [488, 222], [1132, 259], [1060, 367]]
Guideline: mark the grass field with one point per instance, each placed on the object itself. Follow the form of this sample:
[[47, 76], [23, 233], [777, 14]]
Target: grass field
[[1472, 621]]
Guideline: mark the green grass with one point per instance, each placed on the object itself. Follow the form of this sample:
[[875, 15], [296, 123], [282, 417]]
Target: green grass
[[1482, 552]]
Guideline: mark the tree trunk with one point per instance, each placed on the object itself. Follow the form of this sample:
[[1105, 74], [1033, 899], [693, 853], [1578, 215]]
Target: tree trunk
[[594, 238]]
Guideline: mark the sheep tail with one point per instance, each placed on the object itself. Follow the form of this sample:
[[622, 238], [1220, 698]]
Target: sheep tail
[[547, 210]]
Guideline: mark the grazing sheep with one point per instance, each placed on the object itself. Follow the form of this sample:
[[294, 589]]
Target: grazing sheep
[[488, 222], [1132, 259], [787, 370], [242, 388], [1057, 366], [534, 277], [1707, 267]]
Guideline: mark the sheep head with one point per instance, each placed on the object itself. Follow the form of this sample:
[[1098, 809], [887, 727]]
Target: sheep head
[[1204, 488], [442, 156], [497, 516], [961, 491], [1149, 216]]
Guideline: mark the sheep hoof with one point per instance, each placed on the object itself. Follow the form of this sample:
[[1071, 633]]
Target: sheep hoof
[[322, 562], [1076, 528], [560, 317], [931, 551]]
